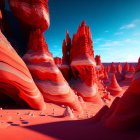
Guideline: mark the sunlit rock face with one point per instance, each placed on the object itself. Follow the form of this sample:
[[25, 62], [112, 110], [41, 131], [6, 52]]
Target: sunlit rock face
[[79, 66], [46, 74], [39, 60], [15, 78], [34, 13], [126, 113]]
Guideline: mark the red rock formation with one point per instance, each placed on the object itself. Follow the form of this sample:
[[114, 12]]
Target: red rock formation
[[34, 13], [15, 78], [48, 78], [83, 40], [65, 67], [138, 65], [114, 87], [126, 114], [99, 66], [106, 78], [51, 83], [83, 65], [129, 75], [108, 68], [0, 20], [2, 6], [113, 68], [126, 67], [131, 68], [58, 61], [98, 60], [37, 48], [119, 72], [119, 68]]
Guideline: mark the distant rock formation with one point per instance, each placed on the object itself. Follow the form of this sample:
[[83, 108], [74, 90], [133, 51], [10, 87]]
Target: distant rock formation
[[114, 87], [113, 68], [126, 114], [129, 75]]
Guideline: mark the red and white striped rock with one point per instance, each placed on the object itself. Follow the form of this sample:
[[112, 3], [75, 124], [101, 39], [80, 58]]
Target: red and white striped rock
[[34, 13], [46, 74], [15, 78], [83, 65]]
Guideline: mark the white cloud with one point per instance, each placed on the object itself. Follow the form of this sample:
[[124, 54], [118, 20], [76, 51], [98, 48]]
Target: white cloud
[[113, 43], [97, 40], [128, 26], [119, 33], [102, 49]]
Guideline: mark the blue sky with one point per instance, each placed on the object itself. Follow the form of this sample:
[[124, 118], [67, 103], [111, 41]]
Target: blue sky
[[114, 24]]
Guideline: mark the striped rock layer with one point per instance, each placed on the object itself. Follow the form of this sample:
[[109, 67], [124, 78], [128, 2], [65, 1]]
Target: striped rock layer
[[34, 13], [46, 74], [15, 78]]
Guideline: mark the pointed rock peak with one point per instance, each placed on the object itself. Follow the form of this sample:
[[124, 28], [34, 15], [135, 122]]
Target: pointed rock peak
[[113, 69], [105, 75], [68, 112], [131, 68], [98, 59], [83, 23], [119, 67], [112, 64], [67, 33], [79, 27], [114, 83], [108, 68], [126, 67], [64, 42]]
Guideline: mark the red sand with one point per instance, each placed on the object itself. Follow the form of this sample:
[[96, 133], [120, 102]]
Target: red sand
[[51, 124]]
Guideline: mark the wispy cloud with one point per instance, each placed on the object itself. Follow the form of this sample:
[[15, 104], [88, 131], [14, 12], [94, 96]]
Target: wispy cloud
[[131, 25], [97, 40], [102, 49], [119, 33], [128, 26], [112, 43]]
